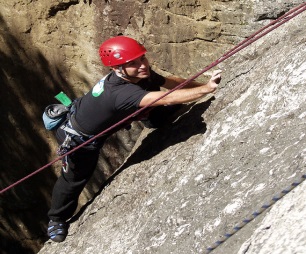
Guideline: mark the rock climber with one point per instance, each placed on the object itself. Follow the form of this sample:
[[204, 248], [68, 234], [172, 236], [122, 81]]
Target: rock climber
[[130, 85]]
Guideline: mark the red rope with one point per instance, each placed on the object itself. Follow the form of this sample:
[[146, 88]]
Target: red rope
[[254, 37]]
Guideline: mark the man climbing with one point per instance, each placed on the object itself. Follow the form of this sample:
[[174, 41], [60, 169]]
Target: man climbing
[[131, 85]]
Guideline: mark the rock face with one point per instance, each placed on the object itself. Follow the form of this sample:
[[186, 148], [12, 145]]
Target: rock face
[[186, 185], [183, 186]]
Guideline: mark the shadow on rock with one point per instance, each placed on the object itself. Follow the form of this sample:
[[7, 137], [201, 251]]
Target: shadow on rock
[[188, 124]]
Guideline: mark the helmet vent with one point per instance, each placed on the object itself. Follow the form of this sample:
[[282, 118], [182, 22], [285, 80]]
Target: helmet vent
[[106, 53]]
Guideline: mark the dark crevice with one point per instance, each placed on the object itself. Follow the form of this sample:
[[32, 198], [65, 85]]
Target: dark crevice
[[119, 195], [60, 7], [270, 16]]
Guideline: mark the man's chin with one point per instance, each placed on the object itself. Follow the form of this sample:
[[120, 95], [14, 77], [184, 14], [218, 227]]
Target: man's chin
[[144, 75]]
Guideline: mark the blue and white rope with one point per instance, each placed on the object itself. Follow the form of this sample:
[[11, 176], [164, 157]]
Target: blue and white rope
[[256, 213]]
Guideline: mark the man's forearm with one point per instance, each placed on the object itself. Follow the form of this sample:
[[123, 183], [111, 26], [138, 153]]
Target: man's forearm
[[182, 95], [172, 82], [178, 96]]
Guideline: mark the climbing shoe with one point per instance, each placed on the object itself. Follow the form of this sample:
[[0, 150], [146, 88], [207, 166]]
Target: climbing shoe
[[57, 231]]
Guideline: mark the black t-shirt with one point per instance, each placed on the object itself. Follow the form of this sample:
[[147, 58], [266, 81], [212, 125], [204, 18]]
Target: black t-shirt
[[111, 100]]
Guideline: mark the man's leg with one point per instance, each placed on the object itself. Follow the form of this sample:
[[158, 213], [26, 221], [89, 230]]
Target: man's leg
[[77, 169]]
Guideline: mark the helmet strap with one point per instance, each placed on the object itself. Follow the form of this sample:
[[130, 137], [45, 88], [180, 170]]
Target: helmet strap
[[121, 73]]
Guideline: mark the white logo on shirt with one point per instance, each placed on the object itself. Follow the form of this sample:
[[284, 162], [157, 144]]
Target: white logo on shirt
[[99, 87]]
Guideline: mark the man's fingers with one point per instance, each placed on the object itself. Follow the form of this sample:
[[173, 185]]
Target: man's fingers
[[216, 72], [216, 76]]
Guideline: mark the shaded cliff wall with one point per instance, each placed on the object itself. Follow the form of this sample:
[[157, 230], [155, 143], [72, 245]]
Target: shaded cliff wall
[[51, 46], [46, 47]]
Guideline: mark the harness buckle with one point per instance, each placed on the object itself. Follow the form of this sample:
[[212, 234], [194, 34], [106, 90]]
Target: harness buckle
[[65, 146]]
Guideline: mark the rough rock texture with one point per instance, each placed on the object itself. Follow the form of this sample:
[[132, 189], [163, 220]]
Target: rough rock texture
[[49, 46], [186, 185]]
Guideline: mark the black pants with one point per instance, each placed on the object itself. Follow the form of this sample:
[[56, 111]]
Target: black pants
[[77, 168]]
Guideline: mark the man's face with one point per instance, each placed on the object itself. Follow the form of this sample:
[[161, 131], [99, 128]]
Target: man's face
[[136, 69]]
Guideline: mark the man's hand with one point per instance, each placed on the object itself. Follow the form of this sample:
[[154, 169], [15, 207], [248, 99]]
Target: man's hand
[[214, 80]]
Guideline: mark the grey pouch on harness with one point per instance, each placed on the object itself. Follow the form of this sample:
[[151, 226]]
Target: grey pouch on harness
[[54, 115]]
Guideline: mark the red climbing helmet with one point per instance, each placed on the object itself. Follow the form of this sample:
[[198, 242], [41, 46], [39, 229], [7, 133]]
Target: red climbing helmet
[[119, 50]]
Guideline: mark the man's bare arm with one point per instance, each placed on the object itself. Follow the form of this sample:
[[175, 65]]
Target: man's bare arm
[[172, 82], [183, 95]]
